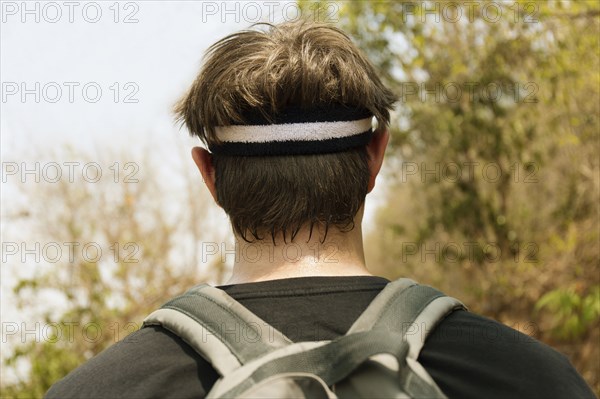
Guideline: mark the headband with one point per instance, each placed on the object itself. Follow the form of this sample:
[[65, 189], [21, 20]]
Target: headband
[[296, 131]]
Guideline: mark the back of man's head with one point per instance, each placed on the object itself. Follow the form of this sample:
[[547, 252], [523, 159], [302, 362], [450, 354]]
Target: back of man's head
[[310, 79]]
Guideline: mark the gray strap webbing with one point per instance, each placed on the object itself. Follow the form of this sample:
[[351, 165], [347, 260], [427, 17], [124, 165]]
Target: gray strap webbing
[[205, 344], [218, 318], [243, 373], [372, 314], [426, 321], [331, 362], [407, 308]]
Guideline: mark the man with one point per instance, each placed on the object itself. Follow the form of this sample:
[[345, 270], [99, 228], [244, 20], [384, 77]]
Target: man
[[287, 116]]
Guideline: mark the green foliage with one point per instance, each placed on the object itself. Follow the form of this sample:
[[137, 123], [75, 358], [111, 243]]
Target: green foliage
[[100, 299], [493, 192], [573, 313], [49, 363]]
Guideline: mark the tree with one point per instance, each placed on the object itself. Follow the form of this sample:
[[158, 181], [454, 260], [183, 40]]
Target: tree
[[493, 188], [114, 250]]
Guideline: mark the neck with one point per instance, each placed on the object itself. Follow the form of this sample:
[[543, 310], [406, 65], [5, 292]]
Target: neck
[[341, 254]]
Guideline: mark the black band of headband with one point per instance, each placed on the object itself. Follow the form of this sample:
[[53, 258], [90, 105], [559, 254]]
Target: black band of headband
[[295, 132]]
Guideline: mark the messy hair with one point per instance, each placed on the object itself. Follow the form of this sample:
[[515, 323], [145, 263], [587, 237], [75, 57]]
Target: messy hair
[[265, 70]]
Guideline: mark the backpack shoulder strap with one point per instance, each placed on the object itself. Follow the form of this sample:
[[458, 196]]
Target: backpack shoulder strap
[[408, 308], [217, 327]]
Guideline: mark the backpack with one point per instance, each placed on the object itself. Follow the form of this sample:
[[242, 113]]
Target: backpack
[[377, 357]]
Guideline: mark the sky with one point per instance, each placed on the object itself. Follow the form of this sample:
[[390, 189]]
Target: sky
[[91, 75], [100, 81]]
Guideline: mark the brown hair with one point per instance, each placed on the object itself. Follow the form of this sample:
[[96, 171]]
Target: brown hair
[[296, 63]]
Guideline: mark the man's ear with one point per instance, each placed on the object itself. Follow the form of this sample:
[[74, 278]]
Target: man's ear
[[203, 160], [376, 151]]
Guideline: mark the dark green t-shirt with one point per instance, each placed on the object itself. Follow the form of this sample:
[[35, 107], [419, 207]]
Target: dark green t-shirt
[[469, 356]]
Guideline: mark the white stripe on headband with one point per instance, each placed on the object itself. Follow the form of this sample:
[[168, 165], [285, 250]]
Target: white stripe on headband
[[309, 131]]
